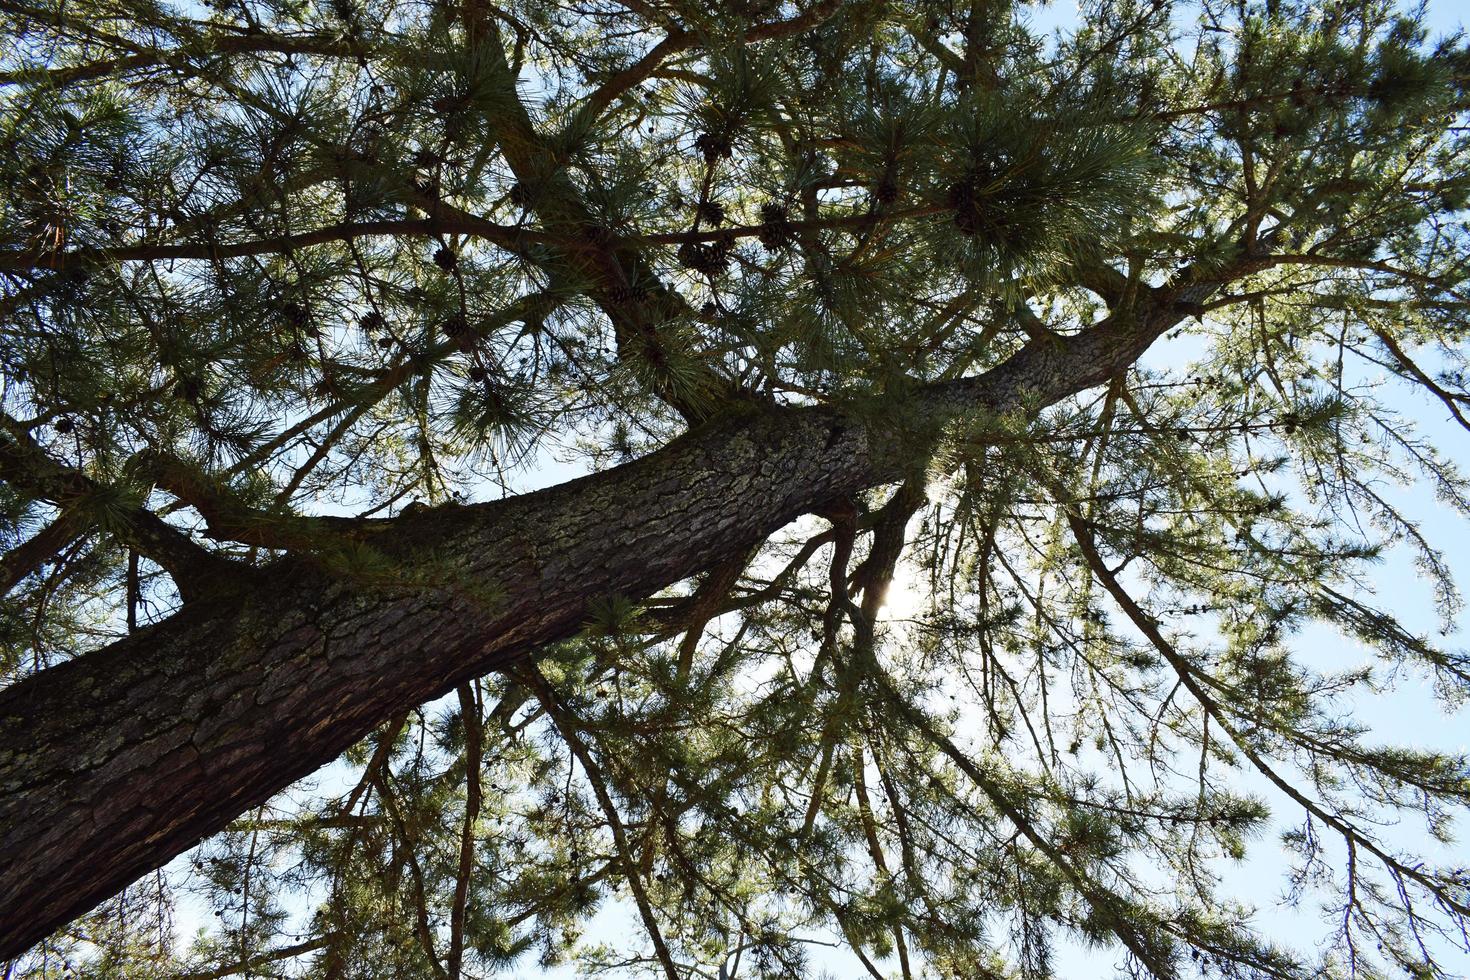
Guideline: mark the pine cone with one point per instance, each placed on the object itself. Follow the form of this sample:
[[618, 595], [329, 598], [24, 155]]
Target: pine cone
[[447, 105], [707, 259], [457, 328], [713, 146], [446, 259], [776, 231], [711, 213], [963, 199]]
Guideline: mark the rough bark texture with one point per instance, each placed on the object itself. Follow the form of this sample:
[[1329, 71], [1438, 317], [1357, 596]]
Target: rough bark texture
[[115, 762]]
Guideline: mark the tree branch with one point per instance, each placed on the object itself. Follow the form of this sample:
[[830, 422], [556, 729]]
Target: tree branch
[[27, 467]]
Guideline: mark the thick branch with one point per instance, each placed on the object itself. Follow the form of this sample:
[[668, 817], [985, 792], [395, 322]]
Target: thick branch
[[25, 465], [515, 239], [40, 548], [622, 280]]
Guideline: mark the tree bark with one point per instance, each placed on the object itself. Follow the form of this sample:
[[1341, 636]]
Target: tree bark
[[113, 763]]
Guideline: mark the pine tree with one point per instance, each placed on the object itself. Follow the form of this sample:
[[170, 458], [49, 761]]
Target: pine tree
[[1111, 344]]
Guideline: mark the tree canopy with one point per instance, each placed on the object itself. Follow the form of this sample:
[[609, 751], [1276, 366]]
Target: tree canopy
[[983, 426]]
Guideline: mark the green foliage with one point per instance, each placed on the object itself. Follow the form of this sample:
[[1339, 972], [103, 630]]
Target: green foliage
[[262, 262]]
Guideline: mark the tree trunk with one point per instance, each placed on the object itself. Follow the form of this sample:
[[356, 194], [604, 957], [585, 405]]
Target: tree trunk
[[113, 763]]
